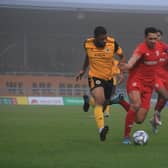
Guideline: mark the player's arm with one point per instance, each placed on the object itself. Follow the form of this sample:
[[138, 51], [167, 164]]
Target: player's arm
[[117, 72], [118, 50], [132, 61], [165, 46], [83, 70]]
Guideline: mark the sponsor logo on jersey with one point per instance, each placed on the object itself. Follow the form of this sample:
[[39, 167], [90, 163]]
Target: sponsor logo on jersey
[[107, 50], [98, 82], [134, 84], [157, 53]]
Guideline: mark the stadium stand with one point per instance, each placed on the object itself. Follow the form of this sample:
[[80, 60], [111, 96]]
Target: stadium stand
[[41, 50]]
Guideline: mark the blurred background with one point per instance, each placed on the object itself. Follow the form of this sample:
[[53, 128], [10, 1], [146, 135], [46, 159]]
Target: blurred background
[[41, 42]]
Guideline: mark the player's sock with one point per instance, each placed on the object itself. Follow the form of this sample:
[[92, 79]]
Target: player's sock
[[107, 111], [129, 121], [156, 119], [160, 104], [158, 108], [92, 101], [120, 100], [124, 104], [98, 113]]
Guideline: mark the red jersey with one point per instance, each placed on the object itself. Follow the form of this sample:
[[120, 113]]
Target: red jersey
[[146, 67], [162, 70]]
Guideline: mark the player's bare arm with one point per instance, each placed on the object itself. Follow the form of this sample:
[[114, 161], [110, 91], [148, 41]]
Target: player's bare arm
[[120, 78], [131, 62], [122, 58], [83, 70]]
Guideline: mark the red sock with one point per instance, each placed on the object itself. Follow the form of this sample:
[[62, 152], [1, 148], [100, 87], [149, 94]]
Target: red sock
[[160, 104], [125, 104], [129, 120]]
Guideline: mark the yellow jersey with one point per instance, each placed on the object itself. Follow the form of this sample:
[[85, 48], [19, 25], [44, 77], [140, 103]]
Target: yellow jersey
[[101, 59]]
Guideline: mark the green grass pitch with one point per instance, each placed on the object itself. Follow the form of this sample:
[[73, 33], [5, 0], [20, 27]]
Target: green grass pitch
[[66, 137]]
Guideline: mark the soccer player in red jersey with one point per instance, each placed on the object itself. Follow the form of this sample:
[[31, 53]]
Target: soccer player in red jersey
[[161, 84], [142, 67]]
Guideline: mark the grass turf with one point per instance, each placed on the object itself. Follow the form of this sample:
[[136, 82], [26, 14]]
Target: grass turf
[[66, 137]]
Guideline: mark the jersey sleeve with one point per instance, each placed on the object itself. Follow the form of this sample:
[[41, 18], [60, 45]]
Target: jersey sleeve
[[164, 46], [117, 49], [139, 51]]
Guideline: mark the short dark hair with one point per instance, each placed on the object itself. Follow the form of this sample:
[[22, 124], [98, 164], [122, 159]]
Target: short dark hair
[[99, 30], [160, 31], [150, 30]]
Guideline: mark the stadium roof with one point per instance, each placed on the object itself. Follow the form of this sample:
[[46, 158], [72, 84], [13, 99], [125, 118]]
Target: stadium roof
[[55, 35], [151, 6]]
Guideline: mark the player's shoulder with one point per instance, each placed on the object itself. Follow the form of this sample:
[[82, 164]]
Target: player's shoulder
[[142, 46], [162, 43], [110, 39], [90, 39]]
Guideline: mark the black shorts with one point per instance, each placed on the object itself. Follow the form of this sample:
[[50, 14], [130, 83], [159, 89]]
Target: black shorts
[[106, 84]]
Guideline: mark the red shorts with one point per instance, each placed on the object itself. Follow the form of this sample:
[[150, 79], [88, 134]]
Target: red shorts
[[161, 83], [145, 90]]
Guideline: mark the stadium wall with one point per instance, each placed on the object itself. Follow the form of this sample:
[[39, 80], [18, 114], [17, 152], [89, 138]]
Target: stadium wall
[[33, 85]]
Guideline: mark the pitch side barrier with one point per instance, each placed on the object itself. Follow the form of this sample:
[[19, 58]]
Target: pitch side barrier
[[41, 100], [34, 100]]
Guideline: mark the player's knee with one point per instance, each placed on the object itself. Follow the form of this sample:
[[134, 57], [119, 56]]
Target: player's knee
[[100, 101], [139, 120], [136, 106]]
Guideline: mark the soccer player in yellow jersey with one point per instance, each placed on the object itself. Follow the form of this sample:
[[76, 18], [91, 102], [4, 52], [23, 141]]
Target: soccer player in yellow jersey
[[117, 78], [100, 51]]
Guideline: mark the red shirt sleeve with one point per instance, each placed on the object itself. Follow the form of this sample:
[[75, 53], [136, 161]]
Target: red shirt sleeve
[[164, 46], [139, 50]]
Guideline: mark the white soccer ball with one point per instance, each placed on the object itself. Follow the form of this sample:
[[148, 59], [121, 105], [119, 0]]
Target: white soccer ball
[[140, 137]]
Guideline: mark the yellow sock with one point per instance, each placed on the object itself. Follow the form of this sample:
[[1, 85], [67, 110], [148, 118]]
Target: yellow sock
[[98, 113], [107, 110], [91, 101]]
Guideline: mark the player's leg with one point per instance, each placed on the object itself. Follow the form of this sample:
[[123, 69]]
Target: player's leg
[[161, 87], [141, 115], [86, 104], [161, 102], [163, 91], [88, 101], [91, 101], [98, 94], [97, 90], [145, 104], [135, 102], [108, 89], [119, 99]]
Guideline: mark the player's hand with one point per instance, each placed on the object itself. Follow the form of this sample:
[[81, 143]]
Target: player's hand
[[80, 75], [124, 67], [120, 78]]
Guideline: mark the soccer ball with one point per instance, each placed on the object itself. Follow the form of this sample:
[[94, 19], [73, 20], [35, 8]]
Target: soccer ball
[[140, 137]]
